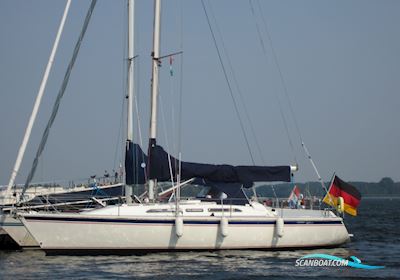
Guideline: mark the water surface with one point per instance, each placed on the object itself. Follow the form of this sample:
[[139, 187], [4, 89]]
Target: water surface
[[376, 242]]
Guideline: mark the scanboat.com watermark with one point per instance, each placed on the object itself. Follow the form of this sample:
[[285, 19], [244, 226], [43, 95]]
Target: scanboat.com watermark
[[319, 260]]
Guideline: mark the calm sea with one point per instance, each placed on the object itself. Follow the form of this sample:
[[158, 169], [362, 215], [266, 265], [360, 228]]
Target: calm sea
[[376, 242]]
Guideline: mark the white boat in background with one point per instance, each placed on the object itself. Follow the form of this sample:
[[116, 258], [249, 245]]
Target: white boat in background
[[184, 224], [13, 227], [13, 194], [51, 199], [51, 196], [56, 193]]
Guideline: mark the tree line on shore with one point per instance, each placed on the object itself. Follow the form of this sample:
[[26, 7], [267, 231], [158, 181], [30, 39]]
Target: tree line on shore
[[385, 187]]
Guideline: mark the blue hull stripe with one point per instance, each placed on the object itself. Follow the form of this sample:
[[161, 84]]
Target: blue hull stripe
[[189, 222]]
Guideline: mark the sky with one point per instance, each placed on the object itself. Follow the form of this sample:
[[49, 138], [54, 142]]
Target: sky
[[339, 61]]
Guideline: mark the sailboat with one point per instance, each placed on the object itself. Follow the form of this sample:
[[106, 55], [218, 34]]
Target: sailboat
[[44, 195], [208, 223]]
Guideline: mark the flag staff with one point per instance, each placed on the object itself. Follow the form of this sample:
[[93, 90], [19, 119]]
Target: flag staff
[[315, 169]]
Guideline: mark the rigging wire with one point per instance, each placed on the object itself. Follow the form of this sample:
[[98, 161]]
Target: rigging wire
[[166, 139], [252, 130], [276, 197], [139, 127], [175, 143], [285, 90], [59, 97], [180, 79], [280, 74], [228, 83], [119, 134], [163, 116], [124, 82], [172, 96], [176, 191]]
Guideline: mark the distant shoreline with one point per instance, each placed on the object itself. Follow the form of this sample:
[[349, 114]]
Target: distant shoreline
[[381, 197]]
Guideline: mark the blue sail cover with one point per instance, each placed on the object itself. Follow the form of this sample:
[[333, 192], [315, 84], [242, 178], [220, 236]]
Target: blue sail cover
[[135, 164], [246, 175]]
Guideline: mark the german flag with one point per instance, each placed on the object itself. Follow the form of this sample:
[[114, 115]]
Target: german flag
[[349, 193]]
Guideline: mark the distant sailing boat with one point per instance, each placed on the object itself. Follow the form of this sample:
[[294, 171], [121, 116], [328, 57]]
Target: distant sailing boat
[[199, 224]]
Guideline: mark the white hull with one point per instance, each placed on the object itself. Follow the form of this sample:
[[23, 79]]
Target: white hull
[[17, 231], [110, 232]]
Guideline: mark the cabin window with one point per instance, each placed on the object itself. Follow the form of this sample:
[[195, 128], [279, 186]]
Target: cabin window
[[225, 210], [194, 210], [159, 210]]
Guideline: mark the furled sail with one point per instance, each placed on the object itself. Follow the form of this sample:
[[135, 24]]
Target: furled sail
[[159, 168], [135, 164]]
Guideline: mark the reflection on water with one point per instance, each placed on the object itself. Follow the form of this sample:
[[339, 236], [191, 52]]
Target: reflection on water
[[376, 242]]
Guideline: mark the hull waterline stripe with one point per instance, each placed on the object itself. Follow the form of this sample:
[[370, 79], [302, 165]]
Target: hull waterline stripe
[[188, 222]]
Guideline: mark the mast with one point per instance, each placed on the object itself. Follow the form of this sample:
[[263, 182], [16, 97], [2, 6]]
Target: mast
[[38, 100], [154, 85], [131, 14]]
